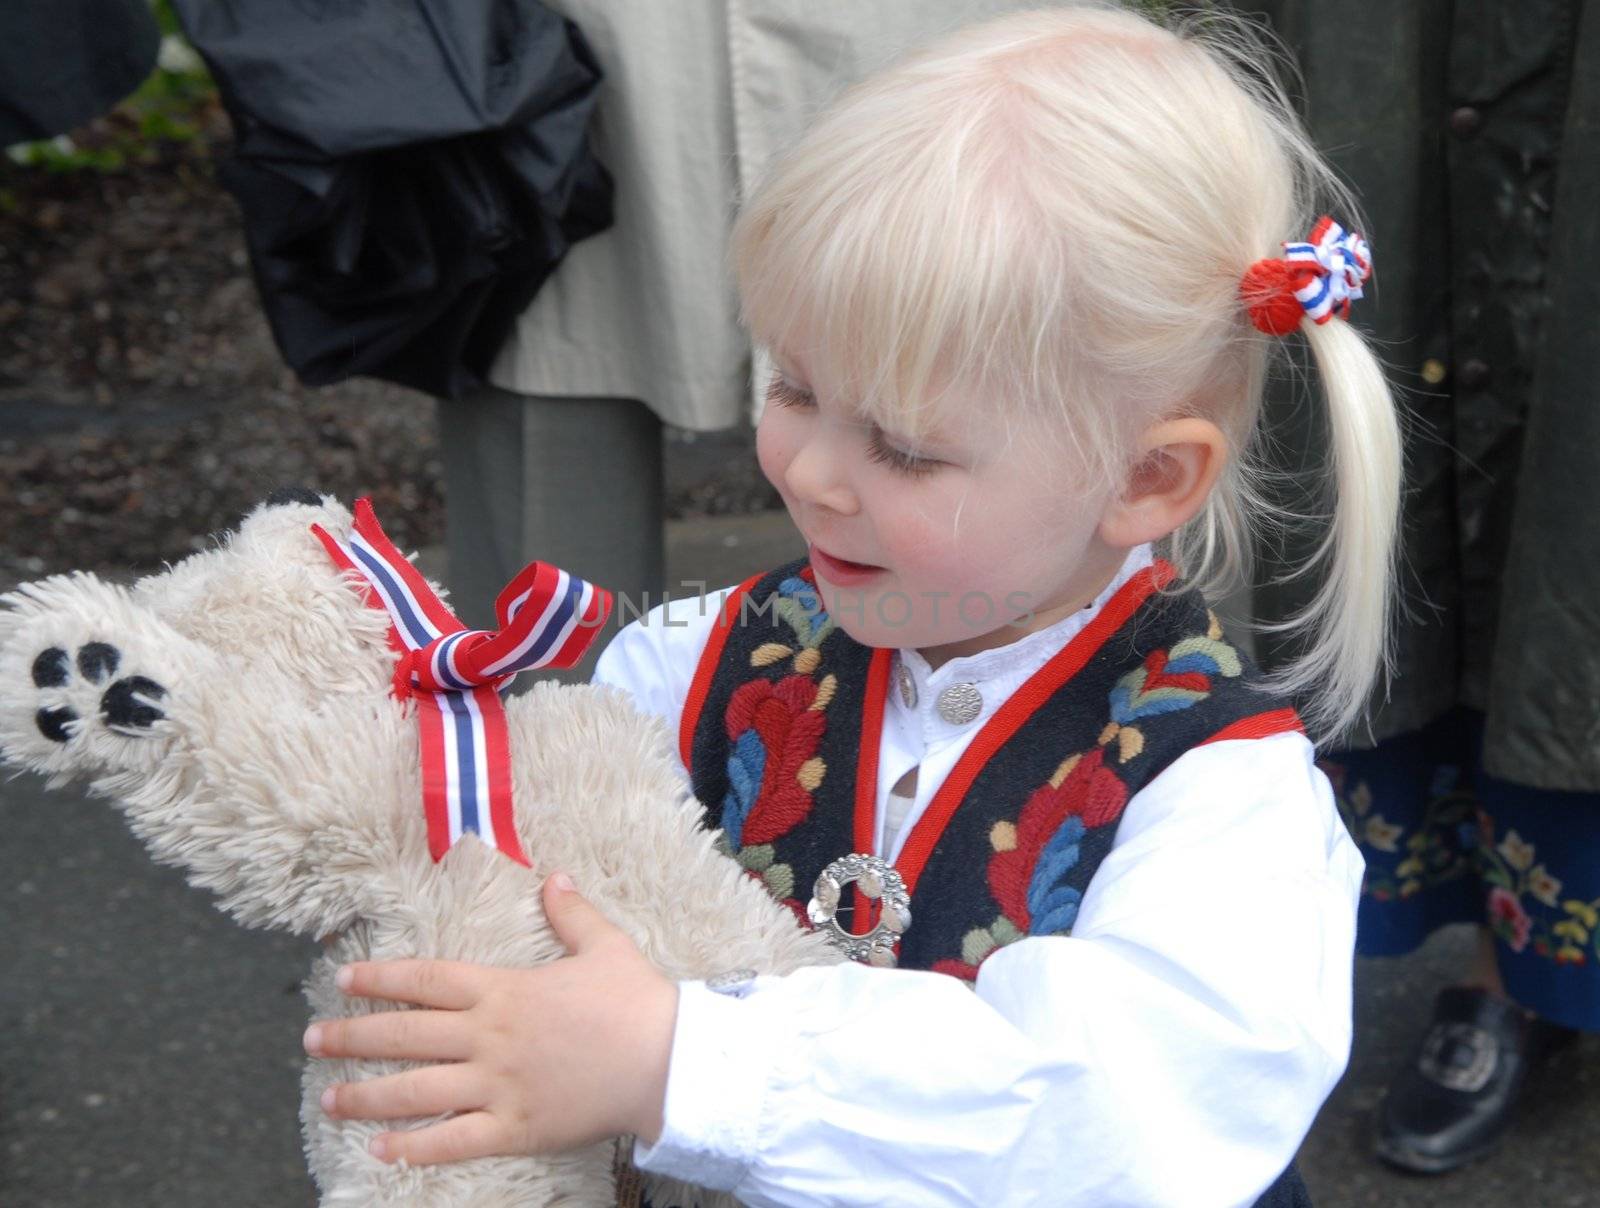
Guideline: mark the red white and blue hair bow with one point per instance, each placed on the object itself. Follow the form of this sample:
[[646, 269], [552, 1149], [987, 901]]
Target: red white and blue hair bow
[[1317, 278], [547, 617]]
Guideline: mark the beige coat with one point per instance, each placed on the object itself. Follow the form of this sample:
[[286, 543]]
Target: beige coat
[[698, 96]]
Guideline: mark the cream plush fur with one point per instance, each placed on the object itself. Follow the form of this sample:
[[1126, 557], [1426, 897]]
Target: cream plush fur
[[262, 752]]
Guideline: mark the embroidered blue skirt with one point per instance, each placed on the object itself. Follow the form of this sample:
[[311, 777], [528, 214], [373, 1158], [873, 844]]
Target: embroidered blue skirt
[[1446, 843]]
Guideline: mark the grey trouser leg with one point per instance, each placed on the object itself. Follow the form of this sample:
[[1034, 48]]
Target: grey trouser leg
[[572, 481]]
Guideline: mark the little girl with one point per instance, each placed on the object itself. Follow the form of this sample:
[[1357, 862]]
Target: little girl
[[1020, 292]]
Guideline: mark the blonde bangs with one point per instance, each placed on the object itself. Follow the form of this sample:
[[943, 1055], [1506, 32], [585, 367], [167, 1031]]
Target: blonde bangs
[[898, 253], [991, 221]]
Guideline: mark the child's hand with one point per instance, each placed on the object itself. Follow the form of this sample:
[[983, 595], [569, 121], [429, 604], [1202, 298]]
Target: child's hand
[[539, 1060]]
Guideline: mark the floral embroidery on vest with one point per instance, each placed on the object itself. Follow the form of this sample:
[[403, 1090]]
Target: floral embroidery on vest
[[1028, 874], [782, 728], [774, 728]]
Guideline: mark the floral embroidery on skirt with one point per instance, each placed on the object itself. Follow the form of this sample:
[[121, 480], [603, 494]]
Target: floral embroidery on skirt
[[1446, 843]]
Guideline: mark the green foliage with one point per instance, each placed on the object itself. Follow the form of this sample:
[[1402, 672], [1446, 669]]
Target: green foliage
[[63, 155], [165, 17]]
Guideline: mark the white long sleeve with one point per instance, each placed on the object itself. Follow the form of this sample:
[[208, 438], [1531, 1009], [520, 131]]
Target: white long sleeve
[[1172, 1051]]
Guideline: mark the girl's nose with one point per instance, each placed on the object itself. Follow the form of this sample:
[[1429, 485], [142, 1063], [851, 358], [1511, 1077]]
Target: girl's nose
[[815, 476]]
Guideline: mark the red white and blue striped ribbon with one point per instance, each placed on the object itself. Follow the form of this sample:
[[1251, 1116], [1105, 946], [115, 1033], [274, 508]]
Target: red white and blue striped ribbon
[[1342, 260], [547, 618]]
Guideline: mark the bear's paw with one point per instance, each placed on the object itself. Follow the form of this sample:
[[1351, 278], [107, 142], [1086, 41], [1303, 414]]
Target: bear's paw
[[129, 705]]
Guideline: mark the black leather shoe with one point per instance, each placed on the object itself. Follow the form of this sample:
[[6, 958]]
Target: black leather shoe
[[1452, 1103]]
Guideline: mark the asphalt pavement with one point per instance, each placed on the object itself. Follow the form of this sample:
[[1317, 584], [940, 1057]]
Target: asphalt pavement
[[150, 1048]]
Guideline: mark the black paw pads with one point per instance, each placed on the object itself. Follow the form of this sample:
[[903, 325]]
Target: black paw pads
[[56, 723], [127, 705], [52, 668], [97, 662]]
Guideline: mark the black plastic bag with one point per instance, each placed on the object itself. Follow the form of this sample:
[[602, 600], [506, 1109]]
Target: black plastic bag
[[410, 172], [65, 62]]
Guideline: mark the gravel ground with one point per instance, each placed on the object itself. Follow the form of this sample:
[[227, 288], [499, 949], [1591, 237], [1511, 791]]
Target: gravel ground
[[143, 404]]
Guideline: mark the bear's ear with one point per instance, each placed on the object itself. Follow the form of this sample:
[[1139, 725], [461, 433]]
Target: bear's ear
[[286, 495]]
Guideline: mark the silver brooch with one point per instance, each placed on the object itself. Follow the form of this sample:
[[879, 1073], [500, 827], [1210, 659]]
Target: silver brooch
[[877, 879], [960, 703]]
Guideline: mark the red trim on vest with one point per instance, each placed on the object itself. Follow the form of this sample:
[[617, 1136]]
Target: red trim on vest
[[1262, 725], [877, 695], [864, 916], [1008, 719], [700, 686]]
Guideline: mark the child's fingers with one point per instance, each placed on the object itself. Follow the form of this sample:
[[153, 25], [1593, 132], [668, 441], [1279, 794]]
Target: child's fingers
[[450, 985], [474, 1135], [456, 1087], [397, 1035]]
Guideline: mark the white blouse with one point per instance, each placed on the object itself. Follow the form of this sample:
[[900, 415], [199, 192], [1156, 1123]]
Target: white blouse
[[1173, 1050]]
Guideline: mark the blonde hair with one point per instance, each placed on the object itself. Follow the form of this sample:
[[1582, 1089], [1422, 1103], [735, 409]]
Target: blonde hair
[[1055, 209]]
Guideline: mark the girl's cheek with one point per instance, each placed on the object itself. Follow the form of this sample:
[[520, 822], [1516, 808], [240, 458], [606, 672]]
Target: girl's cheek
[[940, 520], [919, 545], [774, 448]]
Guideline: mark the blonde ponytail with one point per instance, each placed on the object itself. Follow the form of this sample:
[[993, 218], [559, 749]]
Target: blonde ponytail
[[1345, 627]]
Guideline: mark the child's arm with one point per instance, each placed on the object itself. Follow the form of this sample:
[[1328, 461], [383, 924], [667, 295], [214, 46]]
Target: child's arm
[[1174, 1050], [654, 657]]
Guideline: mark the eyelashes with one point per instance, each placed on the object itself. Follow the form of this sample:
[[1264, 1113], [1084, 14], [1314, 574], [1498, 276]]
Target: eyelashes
[[879, 450], [781, 392]]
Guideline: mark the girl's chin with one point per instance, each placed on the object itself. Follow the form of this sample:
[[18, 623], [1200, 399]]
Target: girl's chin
[[859, 614], [875, 619]]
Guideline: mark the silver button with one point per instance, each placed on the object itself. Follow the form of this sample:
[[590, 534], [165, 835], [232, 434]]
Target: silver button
[[735, 983], [908, 687], [960, 703]]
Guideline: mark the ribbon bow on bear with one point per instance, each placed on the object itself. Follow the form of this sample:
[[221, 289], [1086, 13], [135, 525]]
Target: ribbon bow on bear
[[547, 617]]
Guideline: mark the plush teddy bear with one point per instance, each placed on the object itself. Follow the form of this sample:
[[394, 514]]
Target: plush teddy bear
[[239, 708]]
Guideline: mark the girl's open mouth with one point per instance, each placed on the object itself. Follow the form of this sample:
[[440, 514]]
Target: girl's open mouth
[[840, 570]]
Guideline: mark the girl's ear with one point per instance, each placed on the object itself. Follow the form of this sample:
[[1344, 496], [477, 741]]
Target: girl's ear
[[1180, 461]]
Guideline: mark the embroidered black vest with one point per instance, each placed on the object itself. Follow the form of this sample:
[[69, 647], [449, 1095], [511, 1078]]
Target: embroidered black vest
[[782, 727]]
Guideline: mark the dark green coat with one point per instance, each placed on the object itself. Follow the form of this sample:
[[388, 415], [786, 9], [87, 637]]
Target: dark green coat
[[1471, 129]]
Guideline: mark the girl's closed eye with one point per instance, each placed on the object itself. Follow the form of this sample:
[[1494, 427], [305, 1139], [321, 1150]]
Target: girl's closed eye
[[880, 450], [786, 394]]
